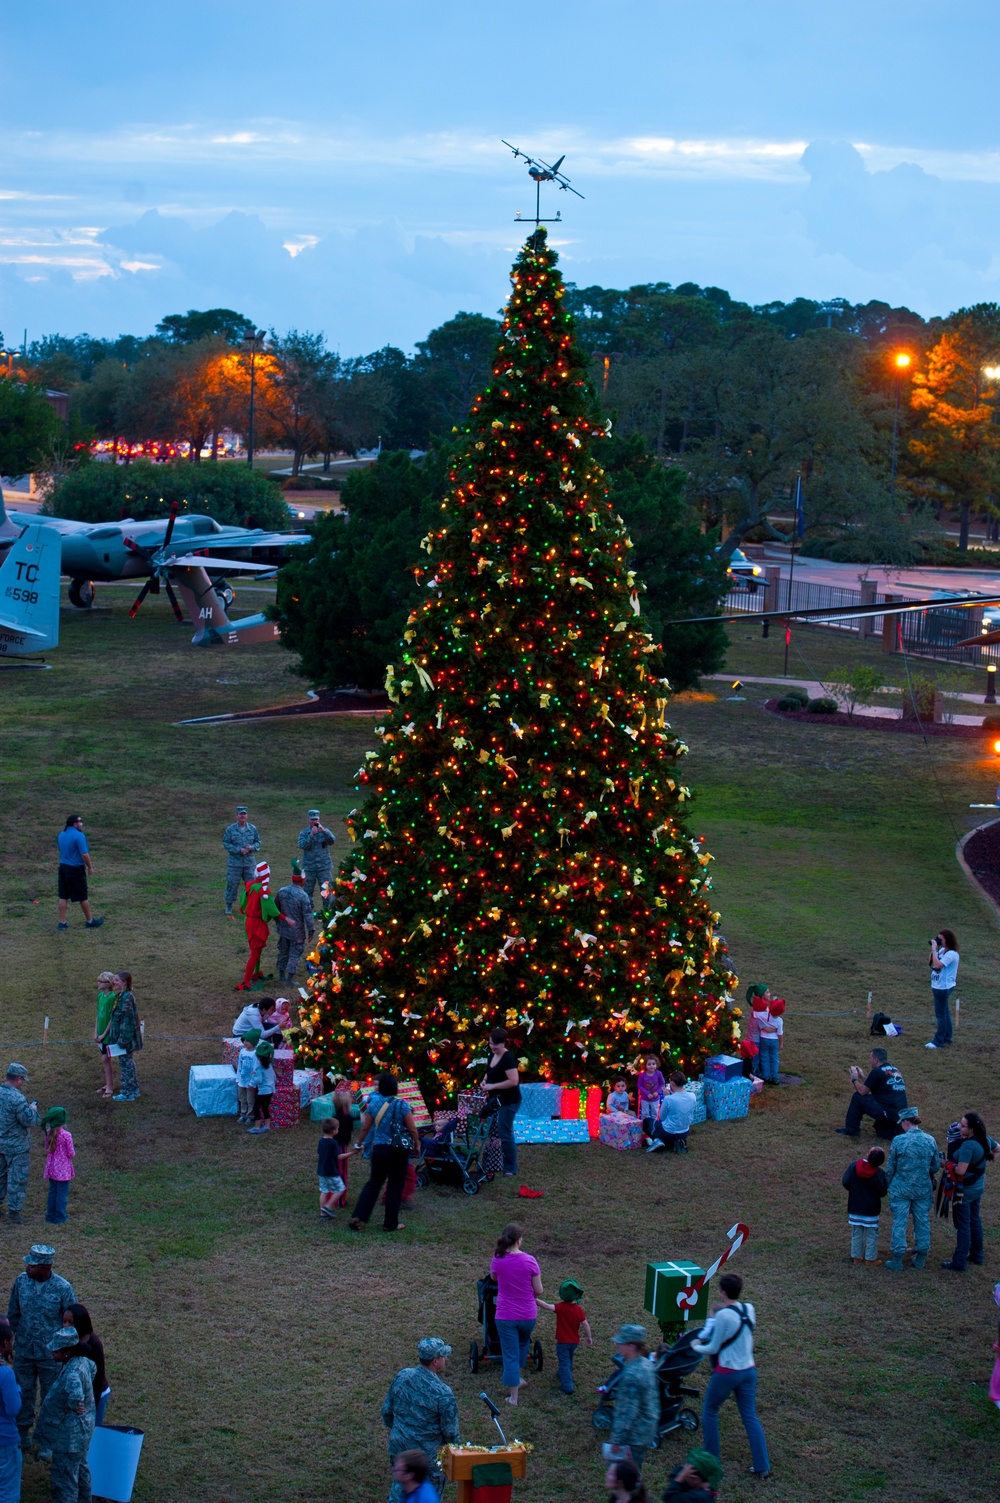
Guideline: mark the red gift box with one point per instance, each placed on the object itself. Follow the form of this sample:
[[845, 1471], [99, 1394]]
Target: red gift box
[[570, 1109], [594, 1109], [284, 1065], [286, 1104]]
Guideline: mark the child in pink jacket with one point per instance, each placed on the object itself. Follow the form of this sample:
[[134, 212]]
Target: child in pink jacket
[[59, 1155]]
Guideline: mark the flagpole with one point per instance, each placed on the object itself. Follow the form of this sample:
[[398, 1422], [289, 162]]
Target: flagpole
[[797, 531]]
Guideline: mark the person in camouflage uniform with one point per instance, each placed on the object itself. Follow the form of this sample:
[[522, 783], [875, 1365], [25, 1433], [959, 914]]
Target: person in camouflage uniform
[[636, 1421], [35, 1311], [913, 1162], [241, 840], [293, 936], [67, 1418], [420, 1410], [16, 1116], [314, 843]]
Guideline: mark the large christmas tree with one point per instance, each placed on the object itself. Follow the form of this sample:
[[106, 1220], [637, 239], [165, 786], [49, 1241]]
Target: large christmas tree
[[521, 856]]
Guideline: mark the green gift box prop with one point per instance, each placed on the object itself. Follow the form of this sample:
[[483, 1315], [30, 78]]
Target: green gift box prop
[[321, 1107], [664, 1281], [492, 1482]]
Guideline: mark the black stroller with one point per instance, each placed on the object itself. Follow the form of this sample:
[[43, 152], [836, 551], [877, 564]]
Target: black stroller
[[486, 1288], [676, 1363], [454, 1157]]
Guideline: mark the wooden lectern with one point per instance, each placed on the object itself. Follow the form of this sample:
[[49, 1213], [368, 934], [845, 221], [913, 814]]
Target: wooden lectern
[[457, 1466]]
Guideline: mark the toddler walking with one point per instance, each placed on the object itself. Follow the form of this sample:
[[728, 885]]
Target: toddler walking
[[571, 1319], [328, 1157], [866, 1186], [59, 1155]]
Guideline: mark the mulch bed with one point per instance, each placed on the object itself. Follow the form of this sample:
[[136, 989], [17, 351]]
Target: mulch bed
[[982, 855], [882, 723], [324, 702]]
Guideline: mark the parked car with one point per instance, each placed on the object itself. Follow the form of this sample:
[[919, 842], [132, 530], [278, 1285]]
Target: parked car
[[743, 572]]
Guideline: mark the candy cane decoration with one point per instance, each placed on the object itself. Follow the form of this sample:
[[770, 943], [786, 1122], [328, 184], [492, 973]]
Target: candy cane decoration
[[738, 1234]]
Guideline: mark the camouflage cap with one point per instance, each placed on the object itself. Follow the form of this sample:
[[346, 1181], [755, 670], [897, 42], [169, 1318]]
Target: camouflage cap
[[312, 814], [629, 1335], [431, 1347], [39, 1253], [242, 809], [907, 1114], [65, 1336], [16, 1071]]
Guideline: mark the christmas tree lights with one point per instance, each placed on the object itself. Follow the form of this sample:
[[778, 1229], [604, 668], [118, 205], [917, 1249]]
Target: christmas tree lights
[[521, 856]]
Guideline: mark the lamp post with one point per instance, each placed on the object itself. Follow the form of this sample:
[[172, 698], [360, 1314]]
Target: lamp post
[[901, 362], [991, 684], [252, 343]]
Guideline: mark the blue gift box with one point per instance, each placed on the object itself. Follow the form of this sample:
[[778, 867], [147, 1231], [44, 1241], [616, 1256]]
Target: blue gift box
[[727, 1100], [540, 1101], [550, 1132], [723, 1067]]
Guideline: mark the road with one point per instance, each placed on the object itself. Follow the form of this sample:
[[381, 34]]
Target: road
[[913, 583]]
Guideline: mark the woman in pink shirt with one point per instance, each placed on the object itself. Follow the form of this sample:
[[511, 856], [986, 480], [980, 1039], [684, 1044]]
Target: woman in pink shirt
[[519, 1283], [59, 1155]]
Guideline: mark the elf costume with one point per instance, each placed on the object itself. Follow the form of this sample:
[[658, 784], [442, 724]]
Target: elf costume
[[258, 907]]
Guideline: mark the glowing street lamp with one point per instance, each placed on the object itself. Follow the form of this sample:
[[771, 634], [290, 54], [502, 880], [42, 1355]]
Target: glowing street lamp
[[902, 362], [253, 344]]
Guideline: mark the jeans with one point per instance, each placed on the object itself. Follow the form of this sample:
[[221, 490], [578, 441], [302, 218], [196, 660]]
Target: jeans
[[58, 1200], [902, 1207], [515, 1337], [968, 1232], [860, 1107], [942, 1015], [565, 1352], [743, 1385], [388, 1167], [769, 1058], [505, 1131], [11, 1458], [864, 1242], [102, 1408]]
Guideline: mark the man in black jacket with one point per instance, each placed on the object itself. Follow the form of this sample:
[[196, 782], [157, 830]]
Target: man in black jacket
[[881, 1095]]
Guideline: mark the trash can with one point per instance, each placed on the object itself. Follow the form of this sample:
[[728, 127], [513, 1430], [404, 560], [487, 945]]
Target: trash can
[[113, 1459]]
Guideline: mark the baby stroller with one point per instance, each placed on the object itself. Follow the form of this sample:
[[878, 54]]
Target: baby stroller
[[454, 1157], [486, 1288], [671, 1367]]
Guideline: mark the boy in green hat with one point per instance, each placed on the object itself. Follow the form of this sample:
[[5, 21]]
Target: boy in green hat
[[697, 1481], [263, 1082], [246, 1063], [571, 1319]]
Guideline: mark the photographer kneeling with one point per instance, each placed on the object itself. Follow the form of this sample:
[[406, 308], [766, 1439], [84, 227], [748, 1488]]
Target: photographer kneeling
[[881, 1095]]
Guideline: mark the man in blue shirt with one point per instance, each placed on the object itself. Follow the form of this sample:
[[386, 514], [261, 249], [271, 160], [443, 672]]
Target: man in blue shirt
[[675, 1116], [74, 865]]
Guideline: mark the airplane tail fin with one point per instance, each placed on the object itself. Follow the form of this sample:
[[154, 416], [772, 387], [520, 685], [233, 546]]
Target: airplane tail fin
[[208, 614], [29, 592]]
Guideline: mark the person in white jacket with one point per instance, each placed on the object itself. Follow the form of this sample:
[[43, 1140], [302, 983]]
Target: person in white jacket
[[734, 1371]]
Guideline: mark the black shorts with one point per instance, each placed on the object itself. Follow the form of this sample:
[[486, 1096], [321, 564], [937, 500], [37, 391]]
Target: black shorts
[[73, 883]]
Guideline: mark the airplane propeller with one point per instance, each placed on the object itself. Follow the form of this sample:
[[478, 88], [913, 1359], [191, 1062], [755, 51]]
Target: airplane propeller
[[160, 570]]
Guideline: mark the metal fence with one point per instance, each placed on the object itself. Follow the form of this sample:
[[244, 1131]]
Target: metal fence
[[930, 633]]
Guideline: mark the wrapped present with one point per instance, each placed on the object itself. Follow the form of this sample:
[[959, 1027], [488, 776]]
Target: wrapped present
[[664, 1281], [697, 1089], [285, 1106], [540, 1100], [309, 1084], [725, 1101], [620, 1130], [441, 1119], [410, 1092], [284, 1065], [321, 1107], [723, 1067], [557, 1131], [593, 1109], [569, 1109], [212, 1090], [231, 1051]]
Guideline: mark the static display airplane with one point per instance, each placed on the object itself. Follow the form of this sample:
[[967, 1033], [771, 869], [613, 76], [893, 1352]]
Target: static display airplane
[[177, 550], [29, 594]]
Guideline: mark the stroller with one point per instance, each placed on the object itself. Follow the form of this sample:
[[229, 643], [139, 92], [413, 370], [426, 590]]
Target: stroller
[[677, 1362], [454, 1156], [486, 1289]]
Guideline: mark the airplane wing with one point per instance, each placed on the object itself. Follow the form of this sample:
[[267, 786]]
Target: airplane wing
[[819, 614], [11, 623], [239, 537], [231, 565]]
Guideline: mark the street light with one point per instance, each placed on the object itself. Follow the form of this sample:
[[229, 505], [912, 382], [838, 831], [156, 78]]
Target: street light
[[252, 343], [902, 362], [991, 684]]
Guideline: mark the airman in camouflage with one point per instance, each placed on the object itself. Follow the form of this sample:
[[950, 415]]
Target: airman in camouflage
[[16, 1116], [420, 1410], [293, 937], [241, 840], [35, 1311], [314, 843], [67, 1419]]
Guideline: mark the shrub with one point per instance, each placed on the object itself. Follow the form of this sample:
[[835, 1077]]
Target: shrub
[[799, 694], [793, 702], [991, 722], [857, 686], [824, 706], [233, 494]]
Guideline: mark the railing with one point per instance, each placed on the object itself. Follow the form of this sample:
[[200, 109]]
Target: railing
[[931, 633]]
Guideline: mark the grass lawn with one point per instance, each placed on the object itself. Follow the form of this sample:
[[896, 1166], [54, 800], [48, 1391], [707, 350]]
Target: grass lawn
[[254, 1344]]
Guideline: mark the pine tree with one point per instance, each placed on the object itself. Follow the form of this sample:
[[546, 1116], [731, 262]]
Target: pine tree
[[521, 856]]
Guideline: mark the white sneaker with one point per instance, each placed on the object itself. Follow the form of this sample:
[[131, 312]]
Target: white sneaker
[[930, 1046], [654, 1146]]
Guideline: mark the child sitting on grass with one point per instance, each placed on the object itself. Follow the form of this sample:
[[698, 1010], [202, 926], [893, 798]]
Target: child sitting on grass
[[106, 999], [866, 1186], [328, 1157], [619, 1099], [59, 1155]]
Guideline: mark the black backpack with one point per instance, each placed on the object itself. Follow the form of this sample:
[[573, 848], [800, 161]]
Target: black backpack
[[878, 1023]]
